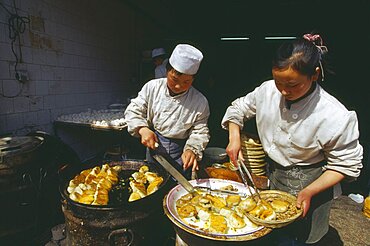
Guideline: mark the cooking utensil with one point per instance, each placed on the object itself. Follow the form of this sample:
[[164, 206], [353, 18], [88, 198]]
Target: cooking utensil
[[174, 173], [241, 167], [117, 202], [162, 157], [168, 163], [214, 155], [227, 165], [186, 184], [245, 182]]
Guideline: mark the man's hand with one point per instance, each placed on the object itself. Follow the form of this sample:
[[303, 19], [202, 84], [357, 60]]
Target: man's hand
[[148, 137], [189, 159]]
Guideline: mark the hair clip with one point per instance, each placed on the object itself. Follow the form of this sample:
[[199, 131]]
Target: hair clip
[[317, 41]]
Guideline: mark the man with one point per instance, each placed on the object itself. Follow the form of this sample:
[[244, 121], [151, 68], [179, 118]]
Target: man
[[171, 112], [160, 61]]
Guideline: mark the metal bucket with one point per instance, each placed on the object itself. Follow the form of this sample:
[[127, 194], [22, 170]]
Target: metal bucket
[[19, 194], [214, 155], [18, 155]]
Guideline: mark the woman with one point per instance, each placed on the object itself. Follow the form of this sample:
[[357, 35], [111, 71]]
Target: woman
[[310, 138], [170, 111]]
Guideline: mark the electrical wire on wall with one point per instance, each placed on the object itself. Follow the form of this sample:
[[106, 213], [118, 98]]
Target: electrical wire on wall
[[16, 26]]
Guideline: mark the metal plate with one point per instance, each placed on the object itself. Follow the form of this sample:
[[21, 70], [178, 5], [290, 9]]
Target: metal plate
[[178, 191]]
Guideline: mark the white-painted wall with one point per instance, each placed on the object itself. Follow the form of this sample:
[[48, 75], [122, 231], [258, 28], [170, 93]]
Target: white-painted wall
[[77, 54]]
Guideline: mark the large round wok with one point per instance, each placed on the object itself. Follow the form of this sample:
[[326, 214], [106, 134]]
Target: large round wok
[[128, 166]]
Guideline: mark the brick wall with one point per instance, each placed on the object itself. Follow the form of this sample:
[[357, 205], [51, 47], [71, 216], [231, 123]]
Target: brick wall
[[76, 54]]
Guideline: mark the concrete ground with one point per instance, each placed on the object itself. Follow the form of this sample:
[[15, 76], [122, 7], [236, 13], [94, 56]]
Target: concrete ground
[[348, 225]]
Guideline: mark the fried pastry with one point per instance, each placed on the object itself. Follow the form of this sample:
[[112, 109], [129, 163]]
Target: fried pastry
[[280, 206], [91, 186], [217, 224], [248, 204], [150, 176], [145, 182], [236, 221], [187, 211], [134, 196], [217, 202], [138, 188], [139, 177], [92, 176], [154, 185], [233, 200], [203, 214], [143, 169]]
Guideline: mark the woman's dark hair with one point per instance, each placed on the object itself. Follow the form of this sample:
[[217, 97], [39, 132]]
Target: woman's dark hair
[[301, 55]]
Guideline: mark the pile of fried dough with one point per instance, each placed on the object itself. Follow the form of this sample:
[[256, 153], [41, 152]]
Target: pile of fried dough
[[91, 186], [144, 183]]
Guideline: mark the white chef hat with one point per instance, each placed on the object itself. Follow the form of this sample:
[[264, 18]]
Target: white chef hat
[[157, 52], [186, 59]]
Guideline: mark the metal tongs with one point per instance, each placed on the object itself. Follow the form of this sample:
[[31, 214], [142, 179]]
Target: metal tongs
[[241, 168]]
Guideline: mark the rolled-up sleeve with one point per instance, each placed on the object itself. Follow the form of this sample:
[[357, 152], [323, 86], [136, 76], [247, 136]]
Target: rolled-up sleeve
[[344, 153], [240, 110], [199, 134]]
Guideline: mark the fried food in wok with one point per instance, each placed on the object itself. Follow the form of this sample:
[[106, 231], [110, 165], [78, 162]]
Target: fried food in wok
[[138, 187], [134, 196], [154, 185], [91, 186], [144, 183]]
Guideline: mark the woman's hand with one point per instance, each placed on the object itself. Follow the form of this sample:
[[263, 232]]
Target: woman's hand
[[234, 146], [232, 150], [328, 179], [189, 159], [304, 200], [148, 137]]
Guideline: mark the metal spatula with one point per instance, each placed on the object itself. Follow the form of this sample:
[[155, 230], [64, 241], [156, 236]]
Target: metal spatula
[[174, 173], [164, 159]]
